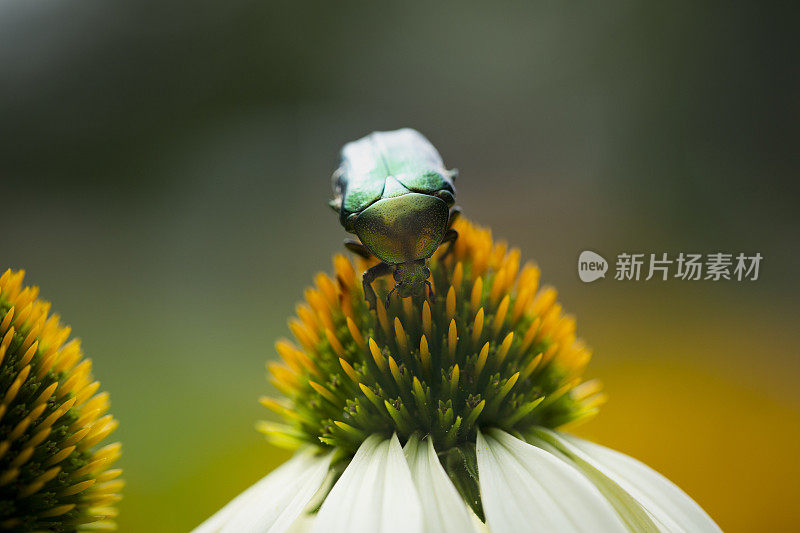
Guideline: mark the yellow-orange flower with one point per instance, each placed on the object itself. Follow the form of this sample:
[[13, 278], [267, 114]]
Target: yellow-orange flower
[[493, 349], [54, 476]]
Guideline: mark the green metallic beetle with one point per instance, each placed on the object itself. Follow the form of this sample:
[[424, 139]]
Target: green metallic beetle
[[392, 190]]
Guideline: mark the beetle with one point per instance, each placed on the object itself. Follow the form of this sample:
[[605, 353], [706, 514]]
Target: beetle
[[392, 190]]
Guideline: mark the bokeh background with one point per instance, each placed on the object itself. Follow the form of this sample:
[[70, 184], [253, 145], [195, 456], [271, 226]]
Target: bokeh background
[[165, 170]]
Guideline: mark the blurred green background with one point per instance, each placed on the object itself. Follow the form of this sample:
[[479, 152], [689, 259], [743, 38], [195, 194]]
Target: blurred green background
[[165, 168]]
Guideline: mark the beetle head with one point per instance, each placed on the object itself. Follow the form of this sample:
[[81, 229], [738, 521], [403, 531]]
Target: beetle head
[[411, 278]]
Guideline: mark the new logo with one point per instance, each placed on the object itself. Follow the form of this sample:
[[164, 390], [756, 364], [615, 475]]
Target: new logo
[[591, 266]]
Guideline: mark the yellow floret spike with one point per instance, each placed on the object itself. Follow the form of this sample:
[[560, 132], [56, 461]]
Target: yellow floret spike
[[458, 276], [477, 326], [500, 316], [336, 346], [383, 319], [452, 339], [424, 353], [355, 333], [400, 333], [349, 370], [450, 304], [504, 347], [377, 356], [427, 324], [477, 293]]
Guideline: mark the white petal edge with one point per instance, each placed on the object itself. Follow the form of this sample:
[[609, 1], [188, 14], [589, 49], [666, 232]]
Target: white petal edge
[[375, 493], [274, 502], [443, 508], [672, 508], [525, 488]]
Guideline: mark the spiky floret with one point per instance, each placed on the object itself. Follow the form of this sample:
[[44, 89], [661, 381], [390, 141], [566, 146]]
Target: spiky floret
[[492, 350], [53, 475]]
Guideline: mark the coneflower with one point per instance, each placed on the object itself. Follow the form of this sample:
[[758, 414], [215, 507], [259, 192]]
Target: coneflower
[[442, 415], [54, 476]]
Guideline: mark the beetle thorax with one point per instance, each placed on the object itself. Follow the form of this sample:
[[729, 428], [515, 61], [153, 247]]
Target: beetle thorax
[[411, 277], [403, 228]]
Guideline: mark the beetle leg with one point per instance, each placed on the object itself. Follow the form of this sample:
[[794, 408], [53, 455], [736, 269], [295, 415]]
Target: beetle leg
[[430, 289], [450, 237], [455, 212], [381, 269], [389, 296], [357, 248]]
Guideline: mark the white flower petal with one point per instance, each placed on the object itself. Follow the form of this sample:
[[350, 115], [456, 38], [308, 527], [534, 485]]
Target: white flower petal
[[631, 512], [274, 502], [303, 524], [525, 488], [443, 508], [477, 524], [375, 493], [672, 508]]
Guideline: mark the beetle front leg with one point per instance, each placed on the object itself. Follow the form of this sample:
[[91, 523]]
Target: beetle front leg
[[431, 294], [389, 296], [450, 237], [357, 248], [381, 269], [455, 212]]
